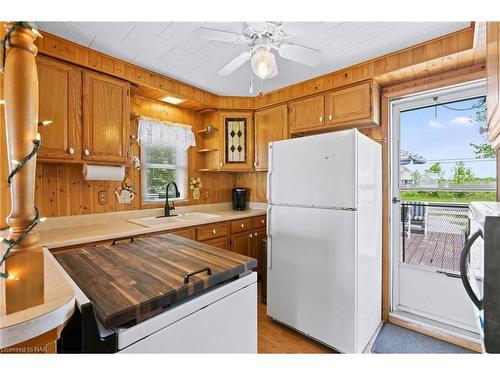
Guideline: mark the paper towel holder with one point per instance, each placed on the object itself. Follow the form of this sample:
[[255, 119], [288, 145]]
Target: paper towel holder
[[102, 172]]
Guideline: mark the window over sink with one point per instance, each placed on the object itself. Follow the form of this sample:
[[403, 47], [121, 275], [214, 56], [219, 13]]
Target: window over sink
[[164, 158]]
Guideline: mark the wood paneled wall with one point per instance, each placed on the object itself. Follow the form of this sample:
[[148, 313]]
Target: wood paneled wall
[[61, 189], [255, 182]]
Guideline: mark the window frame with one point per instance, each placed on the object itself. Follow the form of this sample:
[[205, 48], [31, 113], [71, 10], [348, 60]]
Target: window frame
[[182, 185]]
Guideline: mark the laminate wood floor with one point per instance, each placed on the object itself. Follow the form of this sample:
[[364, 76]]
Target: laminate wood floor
[[276, 338]]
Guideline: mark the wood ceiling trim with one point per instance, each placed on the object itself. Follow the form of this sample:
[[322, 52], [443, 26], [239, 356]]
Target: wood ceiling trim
[[444, 46], [448, 52]]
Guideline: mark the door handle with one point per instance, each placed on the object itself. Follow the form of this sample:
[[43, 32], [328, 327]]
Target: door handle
[[449, 274], [396, 200], [463, 268], [269, 252]]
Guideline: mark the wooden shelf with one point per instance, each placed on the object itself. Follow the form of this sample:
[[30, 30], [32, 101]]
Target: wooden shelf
[[204, 150], [205, 131]]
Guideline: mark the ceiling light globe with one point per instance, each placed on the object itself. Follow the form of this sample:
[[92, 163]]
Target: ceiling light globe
[[263, 63]]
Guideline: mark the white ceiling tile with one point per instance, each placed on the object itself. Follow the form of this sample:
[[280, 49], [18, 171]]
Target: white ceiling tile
[[71, 31], [173, 49], [181, 59], [233, 27]]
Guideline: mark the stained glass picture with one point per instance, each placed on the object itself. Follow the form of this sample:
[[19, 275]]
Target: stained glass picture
[[236, 134]]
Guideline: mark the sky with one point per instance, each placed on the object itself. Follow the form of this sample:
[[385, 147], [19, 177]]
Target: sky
[[445, 136]]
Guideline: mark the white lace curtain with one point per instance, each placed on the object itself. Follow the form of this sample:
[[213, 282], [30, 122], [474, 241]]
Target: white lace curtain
[[156, 133]]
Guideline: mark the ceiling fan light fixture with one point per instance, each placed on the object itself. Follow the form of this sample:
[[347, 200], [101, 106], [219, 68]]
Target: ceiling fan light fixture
[[264, 63]]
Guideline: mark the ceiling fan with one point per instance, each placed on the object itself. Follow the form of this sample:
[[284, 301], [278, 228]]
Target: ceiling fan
[[262, 39]]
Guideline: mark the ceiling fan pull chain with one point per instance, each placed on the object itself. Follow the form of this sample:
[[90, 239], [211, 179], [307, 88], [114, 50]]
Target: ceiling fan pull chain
[[250, 90]]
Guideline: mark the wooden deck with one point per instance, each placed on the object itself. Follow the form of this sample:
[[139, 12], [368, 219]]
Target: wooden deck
[[436, 249]]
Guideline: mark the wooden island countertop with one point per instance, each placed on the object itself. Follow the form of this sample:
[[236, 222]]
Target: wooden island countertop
[[132, 281]]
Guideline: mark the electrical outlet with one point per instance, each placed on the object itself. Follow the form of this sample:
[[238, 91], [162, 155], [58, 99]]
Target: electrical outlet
[[102, 197]]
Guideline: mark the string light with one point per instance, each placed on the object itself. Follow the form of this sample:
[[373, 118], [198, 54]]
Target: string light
[[18, 165], [44, 123]]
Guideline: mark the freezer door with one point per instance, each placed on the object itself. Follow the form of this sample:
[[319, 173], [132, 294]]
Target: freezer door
[[311, 273], [317, 170]]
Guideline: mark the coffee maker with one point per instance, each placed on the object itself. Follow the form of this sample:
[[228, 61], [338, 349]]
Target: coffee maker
[[239, 198]]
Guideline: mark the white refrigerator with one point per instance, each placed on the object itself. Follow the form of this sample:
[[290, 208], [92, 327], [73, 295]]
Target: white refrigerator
[[325, 237]]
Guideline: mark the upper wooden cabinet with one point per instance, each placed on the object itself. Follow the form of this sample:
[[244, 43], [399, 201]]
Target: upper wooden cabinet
[[307, 114], [352, 105], [60, 101], [270, 125], [493, 74], [106, 114], [236, 141]]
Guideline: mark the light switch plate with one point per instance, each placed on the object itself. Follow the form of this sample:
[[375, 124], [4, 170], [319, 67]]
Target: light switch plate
[[102, 197]]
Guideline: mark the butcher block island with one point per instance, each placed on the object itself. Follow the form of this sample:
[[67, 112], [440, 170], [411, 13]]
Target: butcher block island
[[161, 294]]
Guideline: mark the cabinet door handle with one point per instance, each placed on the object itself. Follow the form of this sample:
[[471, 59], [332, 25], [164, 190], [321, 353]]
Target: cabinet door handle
[[243, 225], [71, 150], [213, 231], [262, 221], [220, 164], [255, 234], [330, 117], [320, 118], [250, 235], [86, 152]]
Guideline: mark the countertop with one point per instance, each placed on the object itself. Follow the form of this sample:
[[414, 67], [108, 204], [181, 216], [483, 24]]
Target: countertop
[[65, 231], [134, 281]]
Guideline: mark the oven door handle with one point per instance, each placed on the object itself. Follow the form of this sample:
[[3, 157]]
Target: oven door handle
[[463, 268]]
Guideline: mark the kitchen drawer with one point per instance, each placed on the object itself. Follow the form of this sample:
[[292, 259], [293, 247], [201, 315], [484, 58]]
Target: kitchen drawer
[[218, 242], [259, 222], [186, 233], [241, 225], [210, 231]]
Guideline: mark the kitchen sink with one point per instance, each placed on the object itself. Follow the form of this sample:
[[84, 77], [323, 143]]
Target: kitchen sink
[[154, 221]]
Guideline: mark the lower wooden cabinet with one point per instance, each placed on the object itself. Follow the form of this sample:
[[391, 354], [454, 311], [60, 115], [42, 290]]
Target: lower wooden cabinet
[[211, 231], [186, 233], [242, 243], [221, 243]]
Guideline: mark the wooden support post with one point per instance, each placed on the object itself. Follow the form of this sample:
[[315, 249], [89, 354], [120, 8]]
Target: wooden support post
[[25, 263]]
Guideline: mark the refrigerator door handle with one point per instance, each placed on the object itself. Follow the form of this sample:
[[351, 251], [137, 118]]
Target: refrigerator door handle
[[463, 268], [269, 172], [269, 252], [269, 240]]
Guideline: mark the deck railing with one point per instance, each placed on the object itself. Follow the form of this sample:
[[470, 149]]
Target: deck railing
[[433, 234]]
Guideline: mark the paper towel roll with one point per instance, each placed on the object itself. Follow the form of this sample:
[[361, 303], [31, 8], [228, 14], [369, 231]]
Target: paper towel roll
[[103, 172]]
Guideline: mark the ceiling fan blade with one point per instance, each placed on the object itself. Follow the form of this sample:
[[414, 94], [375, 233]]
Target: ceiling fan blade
[[219, 35], [304, 55], [234, 64]]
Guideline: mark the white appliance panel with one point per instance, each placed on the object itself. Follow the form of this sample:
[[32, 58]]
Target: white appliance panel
[[229, 325], [311, 273], [315, 171]]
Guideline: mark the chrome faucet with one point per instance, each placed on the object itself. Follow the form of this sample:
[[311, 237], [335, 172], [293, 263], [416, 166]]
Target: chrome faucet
[[170, 205]]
